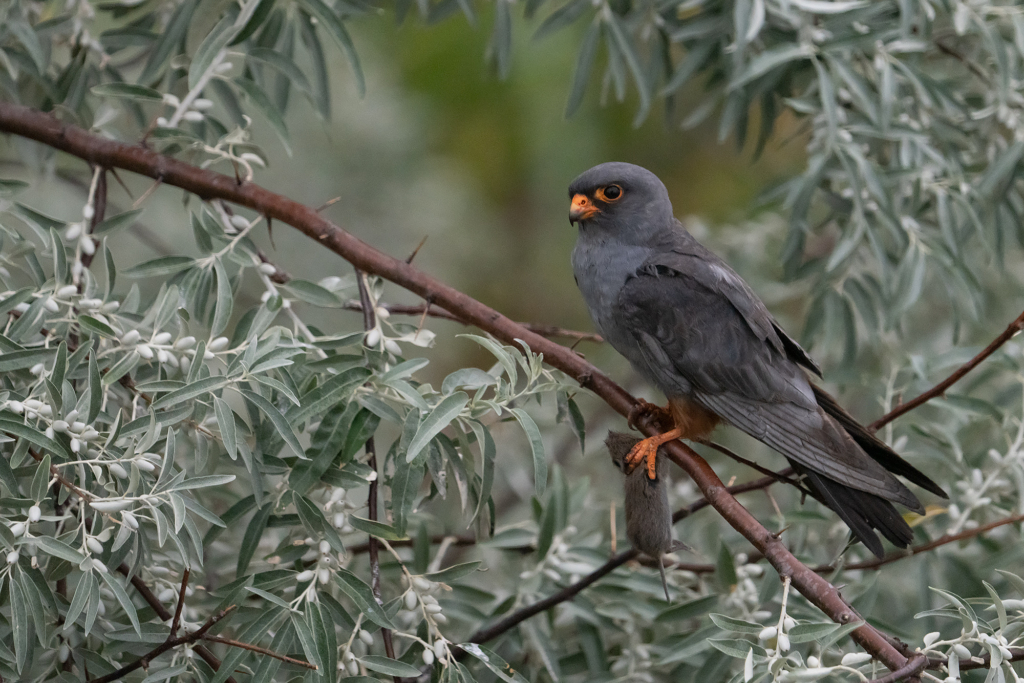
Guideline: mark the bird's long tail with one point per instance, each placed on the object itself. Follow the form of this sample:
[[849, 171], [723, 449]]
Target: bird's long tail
[[862, 512], [873, 446]]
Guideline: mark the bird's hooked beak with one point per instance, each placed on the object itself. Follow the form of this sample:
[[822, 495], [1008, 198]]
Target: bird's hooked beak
[[581, 208]]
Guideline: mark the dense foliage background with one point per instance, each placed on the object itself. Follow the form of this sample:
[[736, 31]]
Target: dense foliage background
[[187, 391]]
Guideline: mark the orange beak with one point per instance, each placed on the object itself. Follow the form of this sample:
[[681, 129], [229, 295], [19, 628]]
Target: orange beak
[[581, 208]]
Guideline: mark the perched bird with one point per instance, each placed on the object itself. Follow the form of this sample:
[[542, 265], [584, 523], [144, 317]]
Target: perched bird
[[648, 516], [692, 327]]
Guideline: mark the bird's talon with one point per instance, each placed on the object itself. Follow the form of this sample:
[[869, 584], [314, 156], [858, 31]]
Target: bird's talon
[[644, 411]]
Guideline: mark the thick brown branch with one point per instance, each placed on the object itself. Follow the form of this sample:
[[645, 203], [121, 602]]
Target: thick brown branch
[[940, 388], [915, 666], [206, 184]]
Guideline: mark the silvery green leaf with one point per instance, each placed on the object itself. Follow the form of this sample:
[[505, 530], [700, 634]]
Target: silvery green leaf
[[168, 41], [165, 265], [129, 91], [337, 30], [282, 425], [768, 60], [438, 418], [584, 62], [540, 463], [262, 103]]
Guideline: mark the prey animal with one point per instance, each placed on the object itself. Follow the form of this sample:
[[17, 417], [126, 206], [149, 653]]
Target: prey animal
[[697, 331], [648, 516]]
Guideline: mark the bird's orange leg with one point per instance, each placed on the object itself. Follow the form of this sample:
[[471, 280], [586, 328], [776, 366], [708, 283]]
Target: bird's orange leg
[[648, 448]]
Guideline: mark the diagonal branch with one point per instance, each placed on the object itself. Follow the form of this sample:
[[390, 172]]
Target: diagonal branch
[[169, 644], [1009, 333], [916, 665], [207, 184], [572, 590]]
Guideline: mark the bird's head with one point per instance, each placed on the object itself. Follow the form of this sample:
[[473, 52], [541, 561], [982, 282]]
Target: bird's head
[[627, 200]]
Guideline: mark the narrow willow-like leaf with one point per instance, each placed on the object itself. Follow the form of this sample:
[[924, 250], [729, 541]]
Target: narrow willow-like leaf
[[283, 427], [337, 30], [584, 66], [439, 418], [362, 596], [540, 463], [168, 41]]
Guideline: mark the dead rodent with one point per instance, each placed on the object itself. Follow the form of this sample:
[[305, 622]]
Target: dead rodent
[[648, 515]]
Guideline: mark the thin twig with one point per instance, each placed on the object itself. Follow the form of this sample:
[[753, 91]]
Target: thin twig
[[181, 602], [360, 548], [163, 647], [572, 590], [434, 312], [369, 323], [1011, 330], [99, 212], [261, 650], [782, 476], [154, 603], [925, 547]]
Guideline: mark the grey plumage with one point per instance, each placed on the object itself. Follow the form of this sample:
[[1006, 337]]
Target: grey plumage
[[648, 515], [692, 327]]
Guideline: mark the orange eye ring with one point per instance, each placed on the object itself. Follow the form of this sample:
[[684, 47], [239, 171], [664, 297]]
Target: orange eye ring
[[609, 193]]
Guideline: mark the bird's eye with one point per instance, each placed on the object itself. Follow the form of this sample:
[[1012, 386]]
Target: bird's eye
[[610, 193]]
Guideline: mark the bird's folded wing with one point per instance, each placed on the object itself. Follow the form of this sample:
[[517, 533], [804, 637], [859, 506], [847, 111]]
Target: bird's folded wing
[[686, 255], [696, 343]]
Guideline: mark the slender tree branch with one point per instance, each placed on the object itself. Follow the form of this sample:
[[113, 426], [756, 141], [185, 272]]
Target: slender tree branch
[[163, 647], [925, 547], [980, 662], [261, 650], [784, 476], [369, 323], [1011, 330], [572, 590], [207, 184], [567, 593], [176, 621], [460, 541], [161, 611], [99, 212], [434, 312]]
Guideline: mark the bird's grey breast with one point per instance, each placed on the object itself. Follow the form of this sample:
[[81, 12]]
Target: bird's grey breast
[[601, 267]]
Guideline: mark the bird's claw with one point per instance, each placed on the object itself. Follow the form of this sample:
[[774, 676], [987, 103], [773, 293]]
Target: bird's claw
[[644, 411], [645, 449]]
